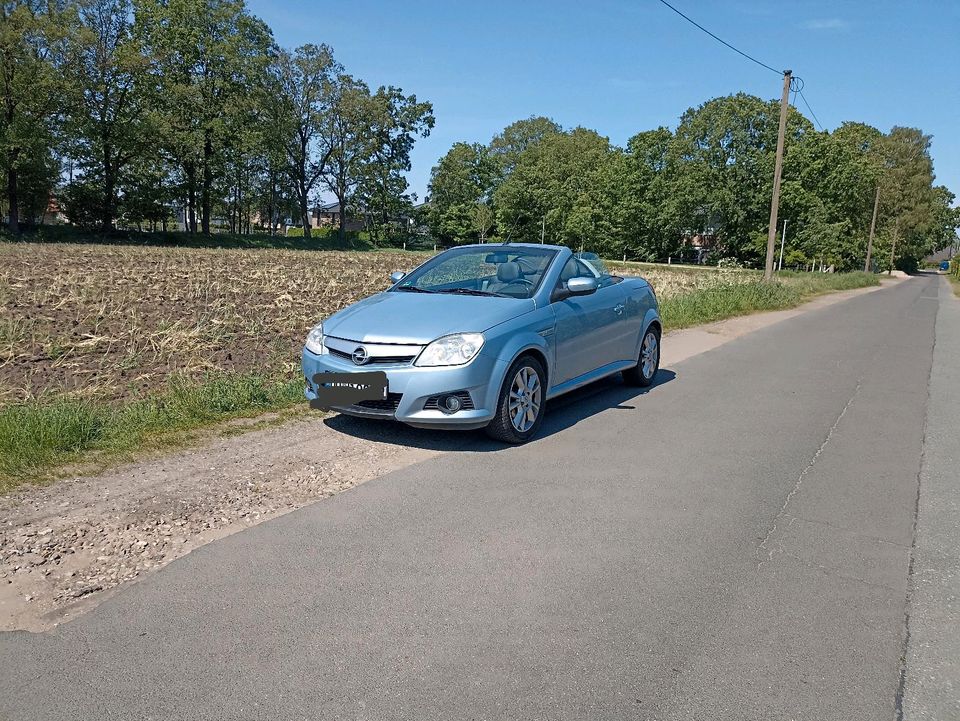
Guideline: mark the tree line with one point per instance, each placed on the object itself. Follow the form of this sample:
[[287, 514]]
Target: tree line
[[707, 184], [130, 108]]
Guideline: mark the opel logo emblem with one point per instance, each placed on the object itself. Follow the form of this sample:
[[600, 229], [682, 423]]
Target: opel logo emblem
[[360, 355]]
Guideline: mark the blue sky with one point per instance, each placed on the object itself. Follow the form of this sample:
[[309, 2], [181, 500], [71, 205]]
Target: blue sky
[[620, 67]]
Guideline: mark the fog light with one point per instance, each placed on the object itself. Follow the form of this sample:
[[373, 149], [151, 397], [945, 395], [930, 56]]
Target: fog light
[[450, 404]]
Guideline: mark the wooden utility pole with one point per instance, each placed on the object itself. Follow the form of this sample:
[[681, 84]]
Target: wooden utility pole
[[778, 167], [783, 241], [873, 227]]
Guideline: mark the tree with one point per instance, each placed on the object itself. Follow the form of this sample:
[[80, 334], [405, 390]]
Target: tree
[[348, 133], [556, 188], [828, 196], [208, 55], [649, 233], [305, 81], [460, 180], [907, 196], [506, 148], [107, 119], [396, 121], [482, 218], [32, 34], [722, 162]]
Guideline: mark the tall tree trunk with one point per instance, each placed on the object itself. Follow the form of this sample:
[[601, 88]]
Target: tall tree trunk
[[342, 229], [191, 219], [304, 211], [273, 192], [109, 181], [305, 217], [12, 200], [205, 194]]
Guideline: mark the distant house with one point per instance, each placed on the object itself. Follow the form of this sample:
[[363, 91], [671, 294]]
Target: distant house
[[329, 214], [54, 213], [699, 245]]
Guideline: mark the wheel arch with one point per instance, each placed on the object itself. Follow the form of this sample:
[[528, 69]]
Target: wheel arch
[[650, 319], [540, 355]]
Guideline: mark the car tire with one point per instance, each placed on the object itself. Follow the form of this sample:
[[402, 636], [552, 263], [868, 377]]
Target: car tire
[[648, 362], [512, 423]]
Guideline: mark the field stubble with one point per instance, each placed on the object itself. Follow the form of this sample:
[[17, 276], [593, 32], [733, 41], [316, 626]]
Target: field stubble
[[115, 322]]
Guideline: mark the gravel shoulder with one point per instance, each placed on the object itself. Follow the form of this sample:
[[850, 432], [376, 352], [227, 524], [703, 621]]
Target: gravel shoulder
[[66, 546]]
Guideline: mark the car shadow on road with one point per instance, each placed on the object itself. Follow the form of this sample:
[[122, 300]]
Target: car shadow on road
[[562, 413]]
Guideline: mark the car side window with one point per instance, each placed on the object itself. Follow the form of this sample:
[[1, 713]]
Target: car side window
[[576, 268]]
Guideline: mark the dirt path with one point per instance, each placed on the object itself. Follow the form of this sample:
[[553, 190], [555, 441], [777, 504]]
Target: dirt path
[[65, 546]]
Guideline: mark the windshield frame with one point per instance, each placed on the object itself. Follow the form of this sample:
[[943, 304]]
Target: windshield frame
[[408, 281]]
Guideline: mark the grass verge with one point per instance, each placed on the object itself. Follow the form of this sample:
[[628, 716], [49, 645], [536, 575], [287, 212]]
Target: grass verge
[[726, 301], [39, 436]]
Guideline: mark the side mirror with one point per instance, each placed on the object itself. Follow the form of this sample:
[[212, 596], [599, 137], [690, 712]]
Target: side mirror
[[397, 276], [582, 286]]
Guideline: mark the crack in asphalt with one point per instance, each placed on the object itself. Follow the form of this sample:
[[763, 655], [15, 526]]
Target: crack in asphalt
[[796, 486], [904, 649]]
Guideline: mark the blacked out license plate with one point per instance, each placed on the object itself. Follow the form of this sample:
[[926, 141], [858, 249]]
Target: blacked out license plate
[[344, 389]]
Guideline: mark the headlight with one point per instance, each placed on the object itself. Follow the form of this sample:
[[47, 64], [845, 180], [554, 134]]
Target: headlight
[[314, 342], [451, 350]]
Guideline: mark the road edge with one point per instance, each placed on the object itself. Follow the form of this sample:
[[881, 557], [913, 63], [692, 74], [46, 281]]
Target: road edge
[[930, 672]]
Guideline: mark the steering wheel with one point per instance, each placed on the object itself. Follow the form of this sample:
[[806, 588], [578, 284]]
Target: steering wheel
[[518, 281]]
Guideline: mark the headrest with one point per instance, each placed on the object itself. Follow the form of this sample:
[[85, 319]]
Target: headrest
[[508, 272]]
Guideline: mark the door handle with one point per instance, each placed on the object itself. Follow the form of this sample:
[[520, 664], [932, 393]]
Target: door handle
[[618, 308]]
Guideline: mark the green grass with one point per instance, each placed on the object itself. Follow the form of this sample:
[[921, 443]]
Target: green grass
[[39, 436], [725, 301]]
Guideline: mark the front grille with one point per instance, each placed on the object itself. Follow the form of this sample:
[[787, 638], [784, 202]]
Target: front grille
[[433, 402], [374, 360], [390, 404]]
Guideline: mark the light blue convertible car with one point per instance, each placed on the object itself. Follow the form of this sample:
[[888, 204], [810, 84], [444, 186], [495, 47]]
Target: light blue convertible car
[[480, 336]]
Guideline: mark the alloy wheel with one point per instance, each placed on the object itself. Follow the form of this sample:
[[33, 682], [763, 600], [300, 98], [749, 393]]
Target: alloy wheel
[[525, 399], [649, 355]]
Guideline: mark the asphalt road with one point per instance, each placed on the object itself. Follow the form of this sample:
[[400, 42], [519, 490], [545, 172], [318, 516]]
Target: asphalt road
[[732, 544]]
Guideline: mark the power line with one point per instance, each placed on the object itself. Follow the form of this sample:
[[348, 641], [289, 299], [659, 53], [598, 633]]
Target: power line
[[721, 40], [796, 87], [815, 119]]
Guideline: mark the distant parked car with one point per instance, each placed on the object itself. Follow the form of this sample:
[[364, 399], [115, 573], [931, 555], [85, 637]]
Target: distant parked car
[[944, 265], [481, 336]]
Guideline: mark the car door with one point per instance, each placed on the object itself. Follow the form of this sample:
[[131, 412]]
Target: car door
[[587, 326]]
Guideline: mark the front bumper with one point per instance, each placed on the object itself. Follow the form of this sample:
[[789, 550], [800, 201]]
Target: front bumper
[[410, 387]]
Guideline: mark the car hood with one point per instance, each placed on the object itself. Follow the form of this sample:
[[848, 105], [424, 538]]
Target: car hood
[[420, 317]]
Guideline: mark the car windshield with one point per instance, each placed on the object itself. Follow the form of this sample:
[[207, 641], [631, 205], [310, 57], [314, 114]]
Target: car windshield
[[495, 270]]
